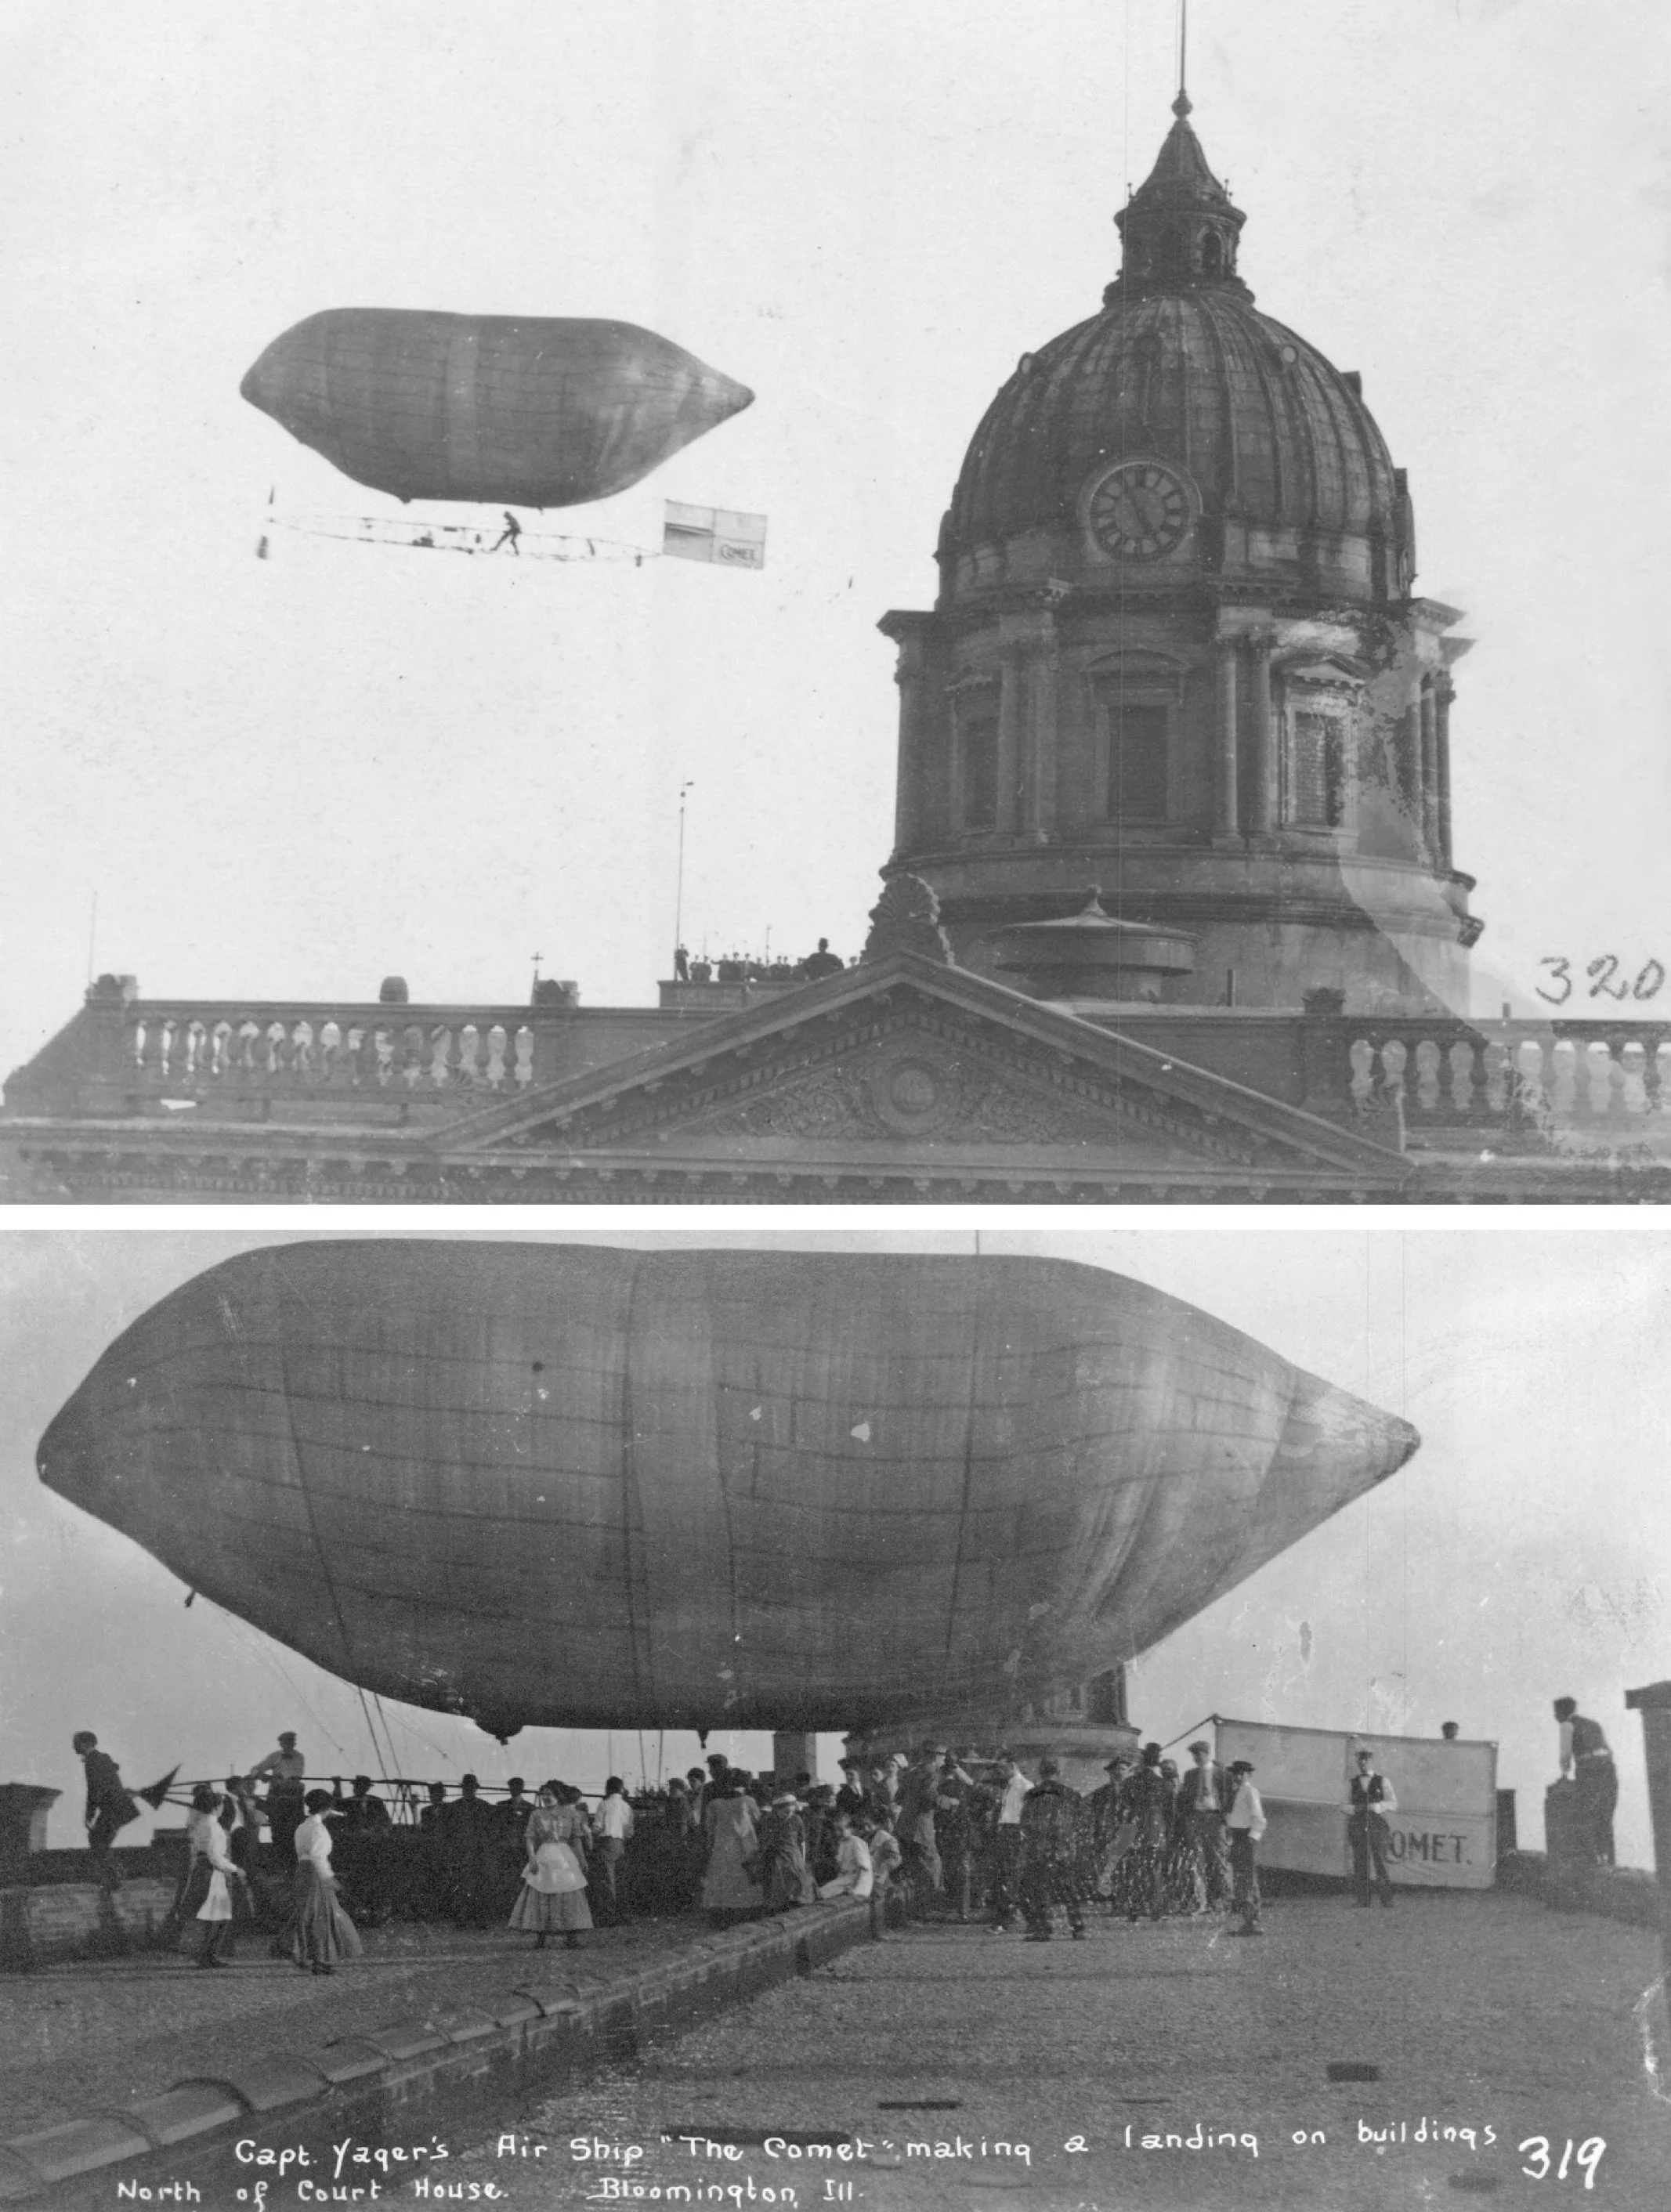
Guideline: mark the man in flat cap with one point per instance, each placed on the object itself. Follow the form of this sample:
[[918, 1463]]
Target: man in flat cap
[[1367, 1828], [1246, 1823]]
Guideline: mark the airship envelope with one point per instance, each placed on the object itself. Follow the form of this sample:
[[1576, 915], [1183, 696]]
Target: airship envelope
[[515, 411], [577, 1486]]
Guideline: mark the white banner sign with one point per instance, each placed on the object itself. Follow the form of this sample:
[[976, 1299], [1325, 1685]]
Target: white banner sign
[[1443, 1833], [715, 534]]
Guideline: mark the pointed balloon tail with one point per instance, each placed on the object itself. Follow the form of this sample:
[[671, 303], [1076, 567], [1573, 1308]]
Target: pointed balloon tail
[[158, 1790]]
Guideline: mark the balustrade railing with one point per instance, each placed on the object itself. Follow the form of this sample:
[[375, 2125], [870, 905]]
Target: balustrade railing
[[199, 1052], [1490, 1074]]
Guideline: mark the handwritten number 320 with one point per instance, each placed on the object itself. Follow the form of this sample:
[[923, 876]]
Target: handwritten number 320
[[1601, 972]]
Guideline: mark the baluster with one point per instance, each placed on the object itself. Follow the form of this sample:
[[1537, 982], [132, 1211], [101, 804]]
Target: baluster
[[139, 1038], [1427, 1075], [383, 1044], [249, 1036], [1498, 1064], [1632, 1083], [220, 1063], [275, 1048], [355, 1056], [197, 1051], [497, 1041], [1603, 1073], [331, 1052], [469, 1040], [412, 1067], [165, 1046], [301, 1040], [1564, 1086], [1461, 1059], [525, 1056], [1360, 1059], [441, 1057], [1393, 1062]]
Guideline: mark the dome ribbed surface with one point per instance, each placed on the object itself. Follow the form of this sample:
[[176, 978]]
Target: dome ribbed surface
[[1198, 378]]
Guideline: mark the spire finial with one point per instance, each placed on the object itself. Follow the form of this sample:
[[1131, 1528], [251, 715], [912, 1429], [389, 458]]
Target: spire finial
[[1181, 105]]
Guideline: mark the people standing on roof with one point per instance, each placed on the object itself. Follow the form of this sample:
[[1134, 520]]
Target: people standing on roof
[[823, 962], [730, 1891], [1585, 1756], [509, 534], [1049, 1855], [1246, 1823], [780, 1854], [552, 1898], [612, 1827], [1202, 1803], [109, 1806], [1149, 1808], [206, 1906], [1367, 1831], [323, 1932], [1013, 1786], [283, 1770]]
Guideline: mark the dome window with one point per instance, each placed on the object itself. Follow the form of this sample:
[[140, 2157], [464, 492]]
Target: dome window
[[1134, 742], [977, 762], [1213, 254]]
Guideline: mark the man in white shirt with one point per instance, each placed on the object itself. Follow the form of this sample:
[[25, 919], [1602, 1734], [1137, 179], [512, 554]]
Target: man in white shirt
[[1246, 1822], [613, 1824], [1367, 1828], [1012, 1787]]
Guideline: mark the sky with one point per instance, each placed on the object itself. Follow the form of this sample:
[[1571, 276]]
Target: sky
[[289, 777], [1520, 1556]]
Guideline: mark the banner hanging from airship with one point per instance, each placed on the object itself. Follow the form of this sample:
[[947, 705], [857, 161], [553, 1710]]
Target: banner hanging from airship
[[719, 534], [502, 410]]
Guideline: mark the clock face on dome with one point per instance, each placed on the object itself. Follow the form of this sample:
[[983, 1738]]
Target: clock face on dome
[[1140, 510]]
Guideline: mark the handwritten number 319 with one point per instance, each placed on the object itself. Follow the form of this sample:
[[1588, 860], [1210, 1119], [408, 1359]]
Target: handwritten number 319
[[1588, 2156], [1601, 973]]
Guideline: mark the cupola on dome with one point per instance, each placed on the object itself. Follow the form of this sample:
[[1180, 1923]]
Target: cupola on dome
[[1179, 428]]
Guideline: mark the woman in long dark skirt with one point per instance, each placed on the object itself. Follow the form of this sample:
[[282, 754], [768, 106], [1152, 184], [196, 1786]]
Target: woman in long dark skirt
[[323, 1932]]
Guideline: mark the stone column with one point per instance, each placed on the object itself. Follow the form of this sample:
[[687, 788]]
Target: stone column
[[1044, 740], [1409, 746], [1011, 705], [1226, 795], [1262, 808], [1430, 769], [1445, 693], [1654, 1704], [794, 1753], [922, 721]]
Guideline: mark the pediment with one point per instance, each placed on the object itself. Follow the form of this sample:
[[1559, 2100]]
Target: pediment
[[913, 1066]]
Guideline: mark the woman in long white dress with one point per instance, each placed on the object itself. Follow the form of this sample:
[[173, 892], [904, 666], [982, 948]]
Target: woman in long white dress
[[324, 1932], [553, 1893], [729, 1890], [205, 1905]]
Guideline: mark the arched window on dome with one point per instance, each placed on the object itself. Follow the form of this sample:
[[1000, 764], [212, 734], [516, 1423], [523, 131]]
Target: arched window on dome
[[1134, 750], [1213, 254]]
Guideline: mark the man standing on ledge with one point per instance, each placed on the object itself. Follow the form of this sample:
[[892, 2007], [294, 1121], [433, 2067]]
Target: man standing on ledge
[[1585, 1756], [283, 1771], [109, 1807], [1372, 1799], [1246, 1823]]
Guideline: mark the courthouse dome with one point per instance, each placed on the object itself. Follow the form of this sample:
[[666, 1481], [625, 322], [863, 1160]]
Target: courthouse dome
[[1181, 368]]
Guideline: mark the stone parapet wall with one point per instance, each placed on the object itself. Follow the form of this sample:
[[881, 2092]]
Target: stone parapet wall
[[41, 1925]]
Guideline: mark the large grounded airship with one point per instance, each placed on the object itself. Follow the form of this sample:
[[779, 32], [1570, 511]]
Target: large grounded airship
[[515, 410], [578, 1486]]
